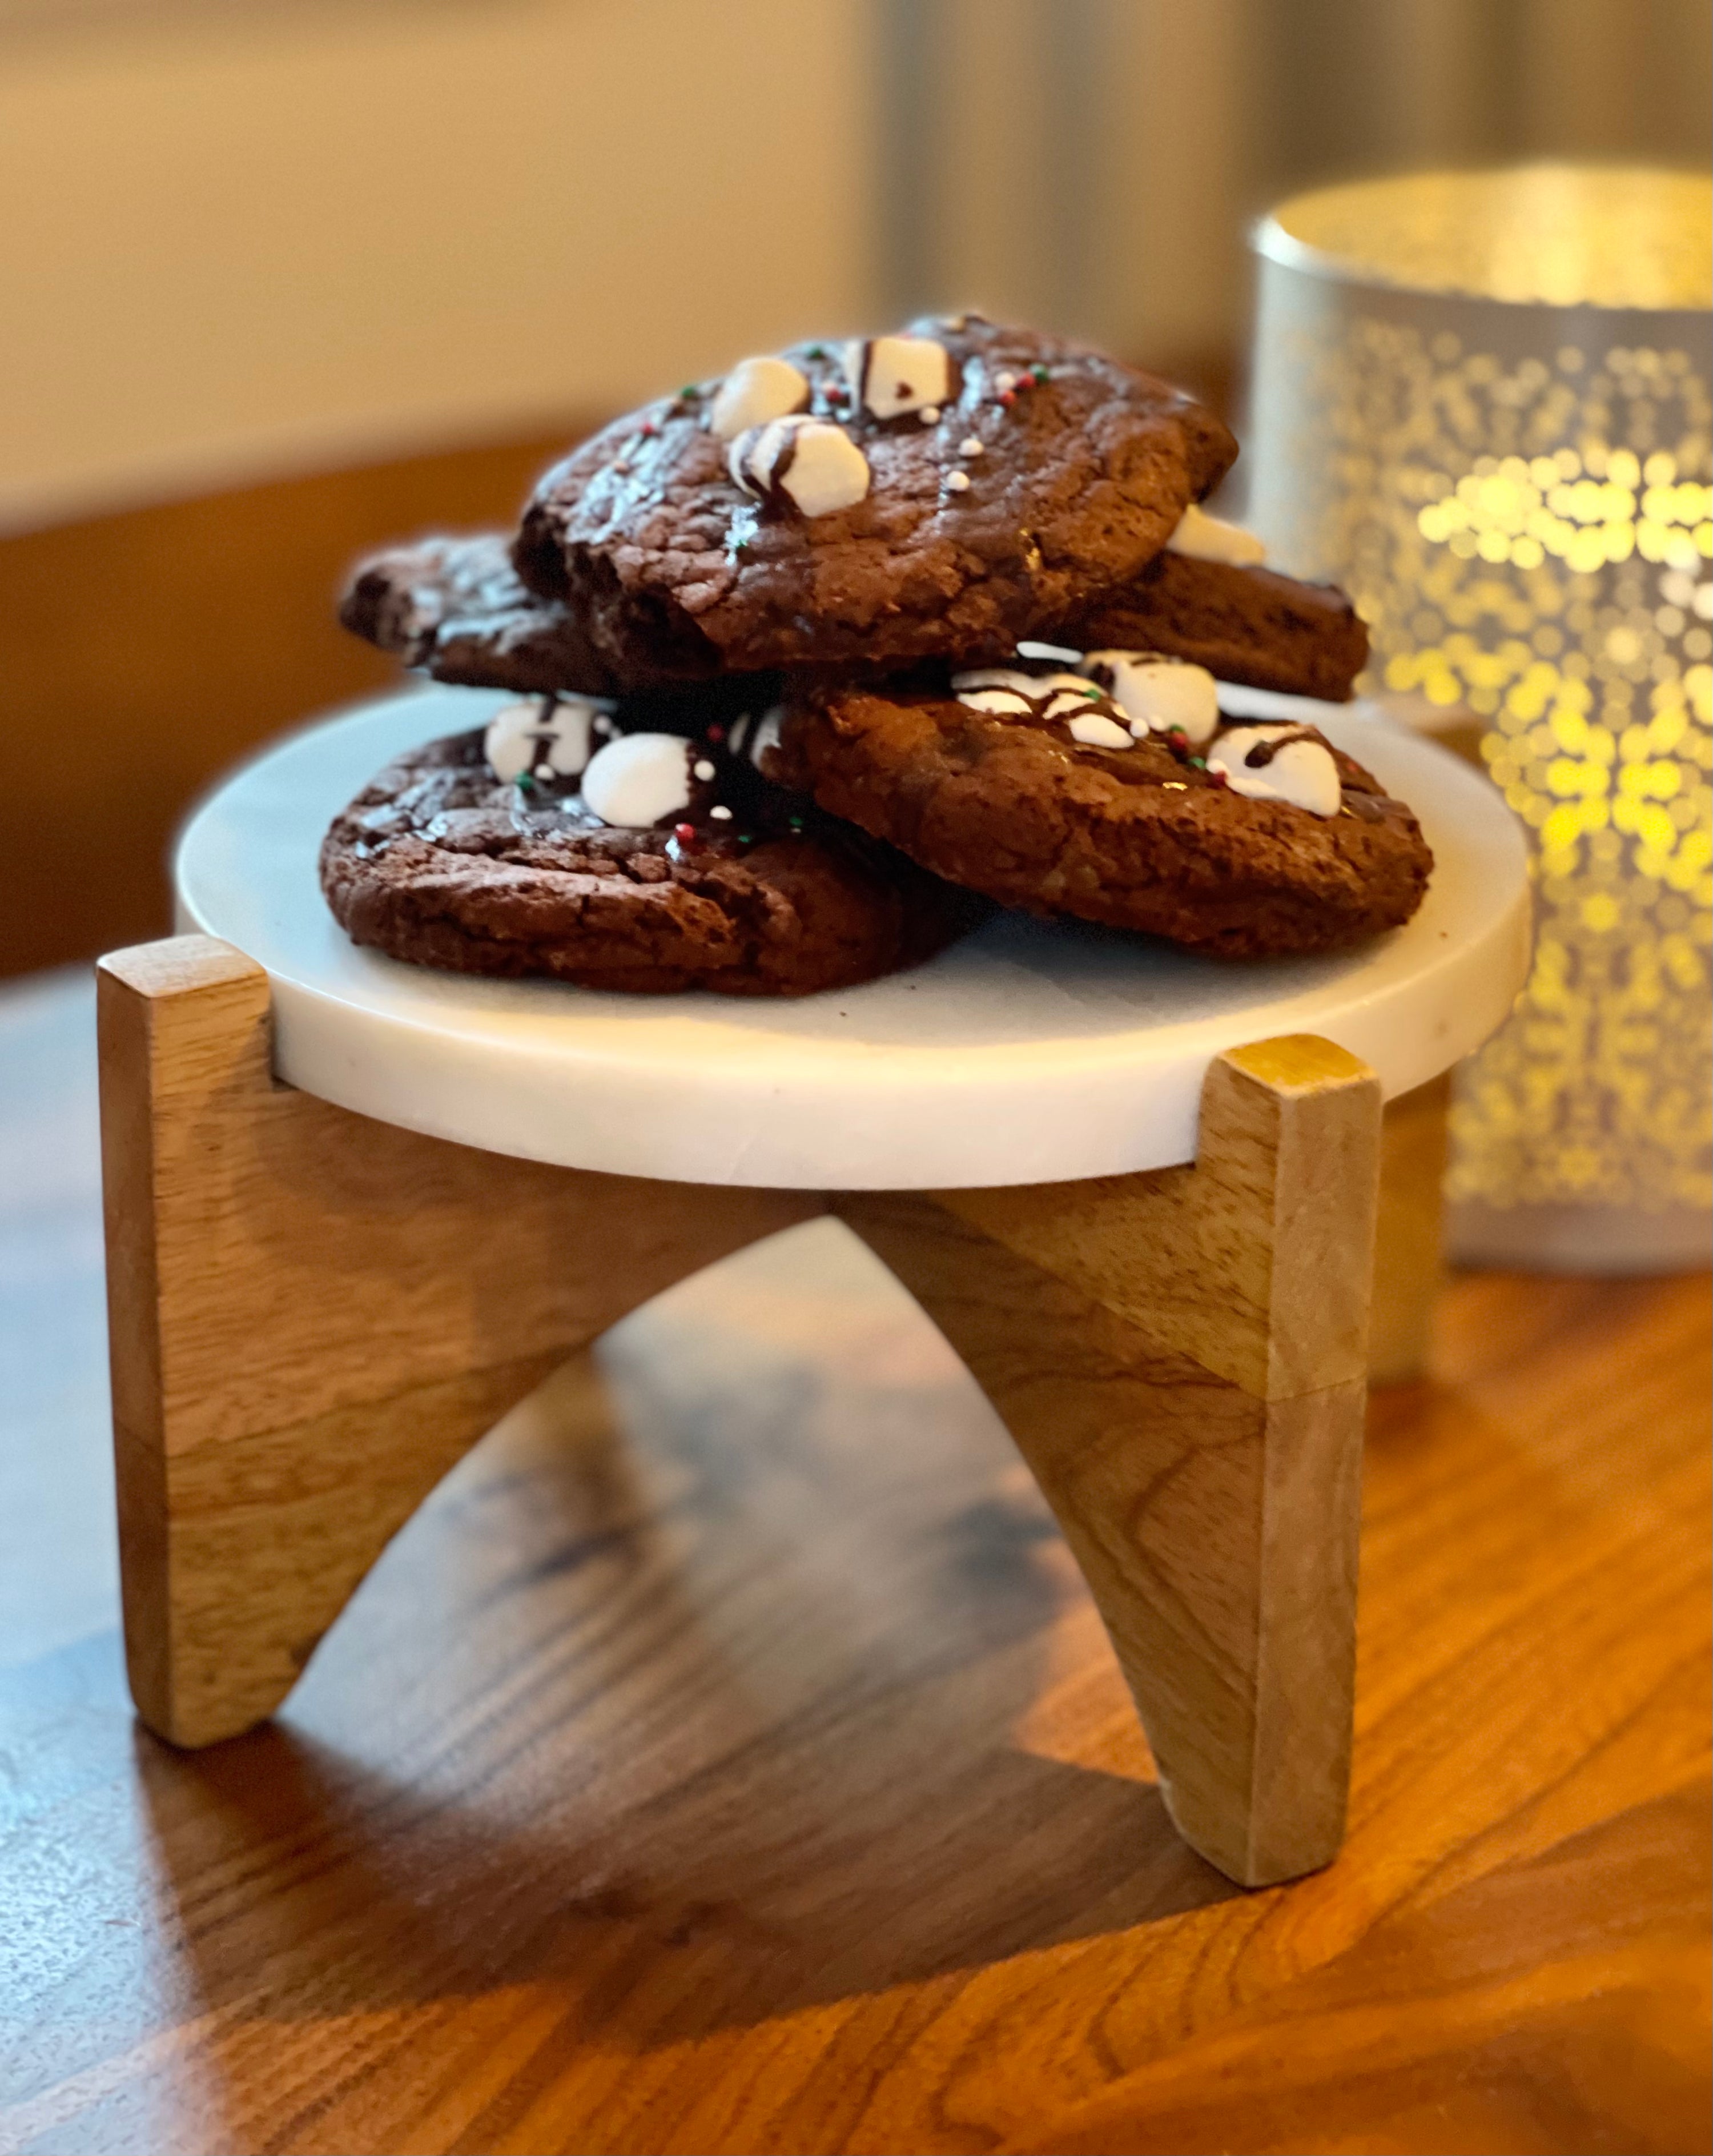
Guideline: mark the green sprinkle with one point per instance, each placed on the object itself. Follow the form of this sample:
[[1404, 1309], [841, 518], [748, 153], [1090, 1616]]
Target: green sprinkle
[[688, 390], [1198, 764], [524, 781], [1039, 372], [795, 822], [816, 352]]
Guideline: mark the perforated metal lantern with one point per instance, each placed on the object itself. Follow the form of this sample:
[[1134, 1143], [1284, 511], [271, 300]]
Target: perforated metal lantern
[[1481, 402]]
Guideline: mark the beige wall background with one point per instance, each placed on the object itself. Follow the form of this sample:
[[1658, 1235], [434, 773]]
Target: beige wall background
[[250, 240], [246, 238]]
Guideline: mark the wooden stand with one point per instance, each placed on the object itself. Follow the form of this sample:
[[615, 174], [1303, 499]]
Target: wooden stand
[[315, 1314]]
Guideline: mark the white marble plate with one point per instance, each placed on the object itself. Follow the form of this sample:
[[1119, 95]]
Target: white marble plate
[[1030, 1053]]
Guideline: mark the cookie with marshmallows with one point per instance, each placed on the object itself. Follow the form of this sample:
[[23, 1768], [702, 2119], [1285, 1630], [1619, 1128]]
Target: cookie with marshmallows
[[1108, 785], [455, 609], [630, 845], [1224, 610], [949, 489]]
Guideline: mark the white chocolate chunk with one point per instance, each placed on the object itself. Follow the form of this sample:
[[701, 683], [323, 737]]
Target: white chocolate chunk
[[637, 780], [1301, 773], [754, 456], [540, 734], [1212, 539], [827, 470], [812, 462], [755, 392], [1010, 693], [892, 374], [1097, 732], [765, 735], [1033, 686], [1156, 694], [1004, 703], [1061, 703]]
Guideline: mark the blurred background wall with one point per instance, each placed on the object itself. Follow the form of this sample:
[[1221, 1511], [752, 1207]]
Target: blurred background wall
[[286, 278], [257, 236]]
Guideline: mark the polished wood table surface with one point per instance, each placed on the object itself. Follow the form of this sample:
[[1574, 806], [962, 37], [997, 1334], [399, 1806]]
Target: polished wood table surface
[[728, 1759]]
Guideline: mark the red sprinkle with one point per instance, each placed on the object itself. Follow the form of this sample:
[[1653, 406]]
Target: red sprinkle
[[684, 831], [1217, 777], [650, 427], [716, 733], [1007, 397]]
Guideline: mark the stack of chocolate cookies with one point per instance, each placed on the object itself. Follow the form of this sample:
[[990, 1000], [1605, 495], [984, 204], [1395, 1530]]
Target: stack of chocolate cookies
[[814, 664]]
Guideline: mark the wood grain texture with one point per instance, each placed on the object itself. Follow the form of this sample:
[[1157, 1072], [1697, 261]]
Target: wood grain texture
[[312, 1316], [304, 1339], [1409, 1232], [1256, 1262], [1570, 2013], [146, 651], [729, 1758], [1180, 1357]]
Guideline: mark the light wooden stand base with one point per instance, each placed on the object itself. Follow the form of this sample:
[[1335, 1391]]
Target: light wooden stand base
[[314, 1315]]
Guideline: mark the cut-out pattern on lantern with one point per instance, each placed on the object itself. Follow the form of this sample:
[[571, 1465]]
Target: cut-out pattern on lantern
[[1517, 497]]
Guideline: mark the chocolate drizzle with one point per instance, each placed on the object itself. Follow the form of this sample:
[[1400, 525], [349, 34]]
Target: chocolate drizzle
[[759, 458], [769, 478], [1262, 753], [725, 729], [1149, 755]]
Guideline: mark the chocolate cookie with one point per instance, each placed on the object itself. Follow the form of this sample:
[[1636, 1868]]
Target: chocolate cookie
[[455, 607], [558, 842], [1116, 793], [949, 489], [1241, 622]]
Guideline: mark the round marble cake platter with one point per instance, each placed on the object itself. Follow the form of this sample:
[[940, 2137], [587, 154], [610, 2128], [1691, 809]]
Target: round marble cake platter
[[1031, 1052]]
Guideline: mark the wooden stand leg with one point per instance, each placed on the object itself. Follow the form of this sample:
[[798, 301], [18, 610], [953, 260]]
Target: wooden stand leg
[[312, 1316], [1180, 1357], [1409, 1241]]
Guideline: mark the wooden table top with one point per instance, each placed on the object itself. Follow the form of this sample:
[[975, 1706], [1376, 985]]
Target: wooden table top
[[728, 1759]]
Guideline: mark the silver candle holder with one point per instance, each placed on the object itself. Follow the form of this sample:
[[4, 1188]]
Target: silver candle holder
[[1481, 402]]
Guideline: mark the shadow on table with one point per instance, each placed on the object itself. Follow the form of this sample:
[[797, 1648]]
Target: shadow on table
[[699, 1724]]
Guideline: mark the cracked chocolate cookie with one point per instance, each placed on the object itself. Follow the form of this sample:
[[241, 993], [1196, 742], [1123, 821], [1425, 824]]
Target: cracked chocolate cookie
[[456, 608], [1241, 622], [634, 847], [947, 490], [1115, 793]]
